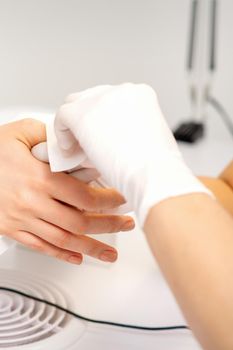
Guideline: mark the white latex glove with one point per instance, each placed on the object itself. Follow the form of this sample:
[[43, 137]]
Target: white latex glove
[[123, 132]]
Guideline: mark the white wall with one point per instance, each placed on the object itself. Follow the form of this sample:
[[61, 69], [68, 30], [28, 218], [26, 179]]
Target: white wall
[[50, 48]]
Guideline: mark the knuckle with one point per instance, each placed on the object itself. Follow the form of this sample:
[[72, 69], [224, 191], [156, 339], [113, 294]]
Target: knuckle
[[37, 245], [60, 255], [27, 122], [41, 172], [108, 224], [93, 250], [83, 225], [64, 240], [90, 199], [71, 97], [63, 110], [43, 180], [117, 224], [24, 199], [113, 226]]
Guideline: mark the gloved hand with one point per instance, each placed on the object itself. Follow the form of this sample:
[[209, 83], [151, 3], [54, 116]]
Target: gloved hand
[[123, 132]]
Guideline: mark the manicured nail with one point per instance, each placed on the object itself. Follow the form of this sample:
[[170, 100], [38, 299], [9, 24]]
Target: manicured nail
[[128, 225], [108, 255], [74, 259]]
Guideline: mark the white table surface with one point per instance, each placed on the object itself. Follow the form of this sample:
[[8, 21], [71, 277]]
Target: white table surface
[[133, 289], [129, 291]]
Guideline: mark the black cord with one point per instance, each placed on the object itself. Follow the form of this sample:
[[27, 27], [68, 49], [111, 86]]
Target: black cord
[[80, 317], [222, 112]]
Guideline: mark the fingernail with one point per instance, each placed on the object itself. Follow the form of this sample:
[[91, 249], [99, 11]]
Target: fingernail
[[108, 255], [128, 225], [74, 259]]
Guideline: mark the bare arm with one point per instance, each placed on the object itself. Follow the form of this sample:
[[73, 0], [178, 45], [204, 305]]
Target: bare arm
[[192, 239]]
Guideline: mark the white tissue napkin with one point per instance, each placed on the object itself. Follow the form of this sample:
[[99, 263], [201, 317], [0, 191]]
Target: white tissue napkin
[[59, 161]]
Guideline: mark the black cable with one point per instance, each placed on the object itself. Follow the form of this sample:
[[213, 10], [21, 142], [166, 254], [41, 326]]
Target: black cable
[[222, 112], [109, 323]]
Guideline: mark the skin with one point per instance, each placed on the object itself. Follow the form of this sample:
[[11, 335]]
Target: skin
[[192, 239], [222, 187], [52, 212]]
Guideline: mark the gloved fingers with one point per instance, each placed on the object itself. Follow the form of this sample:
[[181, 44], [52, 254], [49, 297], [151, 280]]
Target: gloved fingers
[[65, 138], [40, 152], [71, 112], [72, 97], [86, 174], [34, 242], [67, 241], [87, 93], [82, 196]]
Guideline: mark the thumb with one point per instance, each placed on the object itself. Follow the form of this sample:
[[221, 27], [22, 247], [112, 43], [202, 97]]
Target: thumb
[[30, 132]]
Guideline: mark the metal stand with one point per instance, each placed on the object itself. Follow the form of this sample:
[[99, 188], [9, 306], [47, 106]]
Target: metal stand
[[201, 65]]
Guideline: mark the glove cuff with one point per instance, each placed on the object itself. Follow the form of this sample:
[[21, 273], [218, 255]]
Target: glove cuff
[[166, 179]]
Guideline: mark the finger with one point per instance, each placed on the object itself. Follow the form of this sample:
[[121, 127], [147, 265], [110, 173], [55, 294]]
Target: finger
[[79, 222], [74, 243], [102, 223], [30, 132], [69, 112], [72, 97], [92, 91], [74, 192], [33, 242]]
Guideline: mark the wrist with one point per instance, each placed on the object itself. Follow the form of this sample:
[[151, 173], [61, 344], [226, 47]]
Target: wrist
[[165, 178]]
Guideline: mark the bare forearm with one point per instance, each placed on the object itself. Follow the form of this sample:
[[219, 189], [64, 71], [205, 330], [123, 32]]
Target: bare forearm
[[192, 239]]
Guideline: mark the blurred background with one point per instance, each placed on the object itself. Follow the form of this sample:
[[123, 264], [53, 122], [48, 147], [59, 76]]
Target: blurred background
[[50, 48]]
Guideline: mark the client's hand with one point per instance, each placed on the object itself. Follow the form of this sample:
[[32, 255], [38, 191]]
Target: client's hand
[[51, 212]]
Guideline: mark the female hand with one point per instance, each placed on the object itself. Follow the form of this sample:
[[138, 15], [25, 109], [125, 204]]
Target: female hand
[[51, 212]]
